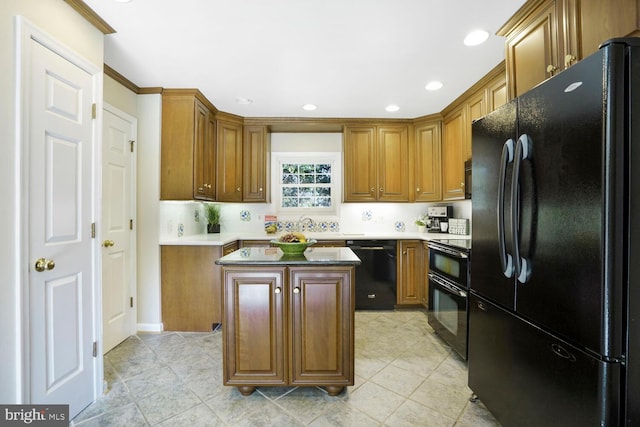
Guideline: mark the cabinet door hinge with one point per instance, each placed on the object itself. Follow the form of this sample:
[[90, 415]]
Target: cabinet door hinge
[[94, 111], [131, 142], [95, 349], [93, 230], [131, 302]]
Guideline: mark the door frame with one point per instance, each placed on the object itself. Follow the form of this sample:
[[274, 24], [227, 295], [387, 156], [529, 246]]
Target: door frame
[[24, 32], [133, 188]]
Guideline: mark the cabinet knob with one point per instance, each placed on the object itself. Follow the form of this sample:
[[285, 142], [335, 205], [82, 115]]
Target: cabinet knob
[[238, 189], [277, 290], [381, 190], [551, 69], [568, 60], [462, 184], [296, 290], [418, 190], [260, 189], [373, 189]]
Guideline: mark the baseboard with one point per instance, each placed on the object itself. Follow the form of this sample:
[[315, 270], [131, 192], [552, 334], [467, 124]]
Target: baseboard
[[150, 327]]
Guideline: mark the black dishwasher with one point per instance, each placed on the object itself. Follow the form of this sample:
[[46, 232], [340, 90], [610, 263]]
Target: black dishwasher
[[376, 275]]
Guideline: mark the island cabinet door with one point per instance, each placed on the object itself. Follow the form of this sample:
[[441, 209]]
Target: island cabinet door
[[321, 326], [254, 326]]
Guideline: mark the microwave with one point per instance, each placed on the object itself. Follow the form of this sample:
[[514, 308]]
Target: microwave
[[467, 179]]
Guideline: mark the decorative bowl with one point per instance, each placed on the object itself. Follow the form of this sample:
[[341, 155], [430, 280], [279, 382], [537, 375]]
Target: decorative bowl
[[295, 248]]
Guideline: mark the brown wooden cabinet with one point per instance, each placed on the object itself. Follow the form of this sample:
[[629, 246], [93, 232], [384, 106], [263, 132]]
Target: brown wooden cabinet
[[428, 163], [485, 96], [376, 163], [288, 326], [188, 147], [410, 272], [191, 287], [229, 159], [454, 146], [255, 164], [545, 37]]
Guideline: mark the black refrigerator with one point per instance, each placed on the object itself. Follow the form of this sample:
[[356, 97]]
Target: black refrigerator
[[554, 334]]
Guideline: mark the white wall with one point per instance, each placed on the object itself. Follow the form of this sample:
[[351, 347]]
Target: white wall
[[120, 97], [148, 212], [58, 19]]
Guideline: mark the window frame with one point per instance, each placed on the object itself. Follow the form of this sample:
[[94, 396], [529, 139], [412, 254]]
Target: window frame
[[282, 158]]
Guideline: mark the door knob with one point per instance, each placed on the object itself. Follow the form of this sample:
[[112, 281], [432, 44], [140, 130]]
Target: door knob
[[43, 264], [108, 243]]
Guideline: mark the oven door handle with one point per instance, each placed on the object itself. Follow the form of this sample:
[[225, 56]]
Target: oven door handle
[[446, 250], [451, 288]]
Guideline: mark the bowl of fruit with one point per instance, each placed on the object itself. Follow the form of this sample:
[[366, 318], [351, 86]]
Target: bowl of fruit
[[293, 243]]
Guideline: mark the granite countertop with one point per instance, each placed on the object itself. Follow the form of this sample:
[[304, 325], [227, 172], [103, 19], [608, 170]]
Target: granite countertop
[[274, 256], [224, 238]]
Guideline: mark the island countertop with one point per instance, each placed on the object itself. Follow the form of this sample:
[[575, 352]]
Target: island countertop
[[319, 256]]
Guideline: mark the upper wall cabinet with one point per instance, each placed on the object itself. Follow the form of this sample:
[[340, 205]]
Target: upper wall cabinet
[[427, 170], [229, 160], [547, 36], [485, 96], [376, 163], [188, 147], [255, 164]]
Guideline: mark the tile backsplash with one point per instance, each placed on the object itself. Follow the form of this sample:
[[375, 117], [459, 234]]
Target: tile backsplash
[[187, 218]]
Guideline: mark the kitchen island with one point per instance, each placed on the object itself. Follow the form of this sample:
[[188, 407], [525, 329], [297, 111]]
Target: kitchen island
[[288, 320]]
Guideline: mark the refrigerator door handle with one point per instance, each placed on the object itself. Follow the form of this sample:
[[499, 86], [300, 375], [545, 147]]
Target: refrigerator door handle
[[506, 261], [523, 152]]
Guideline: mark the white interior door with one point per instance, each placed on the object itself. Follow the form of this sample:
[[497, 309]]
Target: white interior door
[[117, 227], [60, 247]]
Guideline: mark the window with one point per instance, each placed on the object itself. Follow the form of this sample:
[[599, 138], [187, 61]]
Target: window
[[307, 184]]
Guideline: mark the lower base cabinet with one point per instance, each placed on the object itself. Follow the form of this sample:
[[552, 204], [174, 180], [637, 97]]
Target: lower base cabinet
[[191, 288], [288, 326]]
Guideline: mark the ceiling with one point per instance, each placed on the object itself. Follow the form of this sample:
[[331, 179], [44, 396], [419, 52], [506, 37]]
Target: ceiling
[[351, 58]]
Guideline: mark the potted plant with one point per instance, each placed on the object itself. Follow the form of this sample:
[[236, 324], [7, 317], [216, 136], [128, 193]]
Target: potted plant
[[212, 213], [421, 222]]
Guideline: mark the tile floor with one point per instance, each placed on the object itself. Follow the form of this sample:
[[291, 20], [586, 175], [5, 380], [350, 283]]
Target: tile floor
[[405, 376]]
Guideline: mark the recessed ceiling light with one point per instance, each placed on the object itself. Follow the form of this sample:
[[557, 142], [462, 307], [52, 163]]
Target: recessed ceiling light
[[392, 108], [244, 101], [309, 107], [476, 37], [434, 85]]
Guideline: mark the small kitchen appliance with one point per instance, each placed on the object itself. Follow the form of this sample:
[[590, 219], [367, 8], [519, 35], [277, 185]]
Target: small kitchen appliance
[[437, 215]]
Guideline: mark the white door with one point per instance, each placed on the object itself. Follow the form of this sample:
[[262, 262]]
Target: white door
[[117, 227], [60, 247]]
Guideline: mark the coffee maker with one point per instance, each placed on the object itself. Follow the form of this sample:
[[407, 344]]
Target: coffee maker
[[437, 215]]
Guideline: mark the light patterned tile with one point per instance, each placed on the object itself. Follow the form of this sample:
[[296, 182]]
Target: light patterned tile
[[167, 402], [198, 416], [398, 380], [375, 401], [307, 403], [127, 415], [446, 399], [166, 377], [344, 416], [150, 381], [414, 414]]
